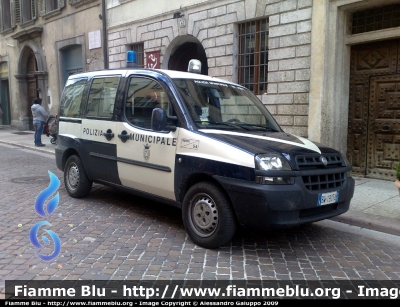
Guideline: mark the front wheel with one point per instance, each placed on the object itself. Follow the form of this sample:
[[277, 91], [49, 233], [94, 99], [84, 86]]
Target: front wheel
[[76, 181], [208, 216]]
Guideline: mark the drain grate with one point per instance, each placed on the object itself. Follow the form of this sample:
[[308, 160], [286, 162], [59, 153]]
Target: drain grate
[[31, 180], [22, 133]]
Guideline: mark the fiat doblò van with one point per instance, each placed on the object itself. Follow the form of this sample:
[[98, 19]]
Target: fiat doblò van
[[204, 145]]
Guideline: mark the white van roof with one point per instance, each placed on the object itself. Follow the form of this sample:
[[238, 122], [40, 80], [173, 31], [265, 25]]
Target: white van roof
[[175, 74]]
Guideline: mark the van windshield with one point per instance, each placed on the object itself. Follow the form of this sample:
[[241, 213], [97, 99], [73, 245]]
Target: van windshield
[[217, 105]]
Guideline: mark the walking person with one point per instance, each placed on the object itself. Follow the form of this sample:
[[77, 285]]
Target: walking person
[[40, 116]]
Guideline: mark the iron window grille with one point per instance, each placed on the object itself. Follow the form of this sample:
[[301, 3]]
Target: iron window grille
[[374, 19], [253, 55], [139, 49]]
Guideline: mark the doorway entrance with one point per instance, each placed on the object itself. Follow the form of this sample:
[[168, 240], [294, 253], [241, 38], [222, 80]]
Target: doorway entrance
[[5, 119], [32, 84], [373, 140], [179, 60]]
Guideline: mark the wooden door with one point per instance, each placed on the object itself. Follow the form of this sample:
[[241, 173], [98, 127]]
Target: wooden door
[[374, 122], [32, 94], [384, 127], [32, 85]]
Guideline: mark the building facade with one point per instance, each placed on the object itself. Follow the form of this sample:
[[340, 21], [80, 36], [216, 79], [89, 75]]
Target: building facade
[[42, 42], [327, 69]]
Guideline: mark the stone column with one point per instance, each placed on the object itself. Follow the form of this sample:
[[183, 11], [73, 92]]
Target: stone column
[[23, 120], [42, 82]]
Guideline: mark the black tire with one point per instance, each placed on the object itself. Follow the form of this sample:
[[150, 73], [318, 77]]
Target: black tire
[[53, 141], [76, 181], [208, 216]]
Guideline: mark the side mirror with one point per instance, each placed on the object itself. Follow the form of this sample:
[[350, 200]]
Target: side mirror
[[159, 120]]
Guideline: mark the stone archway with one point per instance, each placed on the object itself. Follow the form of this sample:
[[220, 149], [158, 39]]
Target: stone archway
[[181, 50], [32, 82]]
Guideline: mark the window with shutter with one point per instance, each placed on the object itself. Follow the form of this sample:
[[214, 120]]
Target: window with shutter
[[52, 5], [78, 3], [1, 17], [50, 8], [42, 7], [17, 11], [26, 10], [6, 15], [33, 9]]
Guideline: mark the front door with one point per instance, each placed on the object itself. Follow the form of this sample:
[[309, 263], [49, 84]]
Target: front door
[[146, 158], [32, 85], [384, 126], [5, 103], [99, 129], [373, 145]]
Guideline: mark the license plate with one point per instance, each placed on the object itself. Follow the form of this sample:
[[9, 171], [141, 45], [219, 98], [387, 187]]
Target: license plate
[[328, 198]]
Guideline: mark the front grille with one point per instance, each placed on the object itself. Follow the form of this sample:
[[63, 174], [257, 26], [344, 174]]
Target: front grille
[[323, 182], [313, 161], [330, 178]]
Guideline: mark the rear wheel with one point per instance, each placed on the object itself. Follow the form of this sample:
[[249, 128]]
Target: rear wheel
[[76, 181], [208, 216]]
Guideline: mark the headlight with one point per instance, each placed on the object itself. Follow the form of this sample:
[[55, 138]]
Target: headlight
[[272, 163]]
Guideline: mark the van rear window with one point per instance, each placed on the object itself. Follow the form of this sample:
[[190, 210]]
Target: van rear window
[[71, 103], [102, 97]]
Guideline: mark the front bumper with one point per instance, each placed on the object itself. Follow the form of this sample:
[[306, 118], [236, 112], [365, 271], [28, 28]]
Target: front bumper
[[281, 206]]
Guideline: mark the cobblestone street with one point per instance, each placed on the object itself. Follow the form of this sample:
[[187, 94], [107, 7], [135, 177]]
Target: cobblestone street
[[115, 235]]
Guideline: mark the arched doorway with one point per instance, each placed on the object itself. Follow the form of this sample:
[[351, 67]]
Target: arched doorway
[[32, 84], [185, 52], [32, 78]]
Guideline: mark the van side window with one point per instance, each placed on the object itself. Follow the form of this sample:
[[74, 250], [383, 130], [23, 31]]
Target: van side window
[[143, 96], [71, 103], [102, 97]]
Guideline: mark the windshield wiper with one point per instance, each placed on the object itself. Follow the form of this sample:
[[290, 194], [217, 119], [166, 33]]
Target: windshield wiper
[[219, 124], [257, 126]]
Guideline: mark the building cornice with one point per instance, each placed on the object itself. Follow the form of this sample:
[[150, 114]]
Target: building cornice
[[27, 34]]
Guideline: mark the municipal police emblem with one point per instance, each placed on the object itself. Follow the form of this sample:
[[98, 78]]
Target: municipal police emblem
[[146, 152]]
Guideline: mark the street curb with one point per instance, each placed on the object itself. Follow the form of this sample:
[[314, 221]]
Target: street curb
[[27, 147], [369, 221]]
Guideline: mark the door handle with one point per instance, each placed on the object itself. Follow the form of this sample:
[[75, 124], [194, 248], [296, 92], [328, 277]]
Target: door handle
[[108, 134], [386, 128], [124, 136]]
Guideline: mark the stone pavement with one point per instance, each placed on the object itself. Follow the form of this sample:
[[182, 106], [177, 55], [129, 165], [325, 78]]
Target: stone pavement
[[112, 236], [376, 203]]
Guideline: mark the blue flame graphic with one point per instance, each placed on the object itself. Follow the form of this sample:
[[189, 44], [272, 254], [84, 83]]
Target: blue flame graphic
[[46, 193], [51, 206], [33, 237]]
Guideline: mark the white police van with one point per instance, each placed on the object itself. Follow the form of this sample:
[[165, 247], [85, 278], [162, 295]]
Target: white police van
[[202, 144]]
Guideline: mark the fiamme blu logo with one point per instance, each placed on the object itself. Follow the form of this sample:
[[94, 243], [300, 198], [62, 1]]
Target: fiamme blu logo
[[46, 211]]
